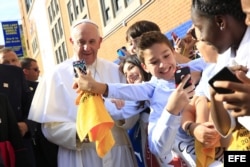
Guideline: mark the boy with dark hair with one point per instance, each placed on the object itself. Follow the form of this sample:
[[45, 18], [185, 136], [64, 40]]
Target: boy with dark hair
[[157, 57]]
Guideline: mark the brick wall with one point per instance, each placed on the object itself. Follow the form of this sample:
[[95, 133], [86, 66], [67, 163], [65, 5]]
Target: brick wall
[[168, 14]]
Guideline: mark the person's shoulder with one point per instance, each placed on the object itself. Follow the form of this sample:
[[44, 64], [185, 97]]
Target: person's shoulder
[[10, 73], [9, 68]]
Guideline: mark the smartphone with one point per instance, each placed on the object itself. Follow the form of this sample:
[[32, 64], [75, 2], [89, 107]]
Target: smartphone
[[81, 65], [174, 36], [120, 52], [193, 34], [180, 74], [225, 74]]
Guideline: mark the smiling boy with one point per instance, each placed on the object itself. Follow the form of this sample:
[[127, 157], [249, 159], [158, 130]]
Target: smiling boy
[[166, 101]]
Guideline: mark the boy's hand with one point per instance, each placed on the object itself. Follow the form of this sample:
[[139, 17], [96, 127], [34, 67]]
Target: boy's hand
[[180, 97], [83, 82], [118, 103], [206, 134]]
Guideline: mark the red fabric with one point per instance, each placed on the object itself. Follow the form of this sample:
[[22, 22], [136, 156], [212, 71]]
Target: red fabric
[[151, 160], [177, 162], [7, 154]]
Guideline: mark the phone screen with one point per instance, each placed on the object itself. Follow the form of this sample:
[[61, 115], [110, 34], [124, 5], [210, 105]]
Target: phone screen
[[120, 52], [225, 74], [81, 65], [174, 36], [180, 74]]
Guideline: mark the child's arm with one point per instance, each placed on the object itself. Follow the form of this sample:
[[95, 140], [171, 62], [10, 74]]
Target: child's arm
[[136, 92], [128, 110], [162, 129], [202, 111], [220, 116], [202, 130], [87, 83], [189, 115]]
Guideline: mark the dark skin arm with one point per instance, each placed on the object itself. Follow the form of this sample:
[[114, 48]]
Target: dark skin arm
[[239, 101]]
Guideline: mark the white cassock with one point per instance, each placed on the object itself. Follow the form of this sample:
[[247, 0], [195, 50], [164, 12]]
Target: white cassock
[[54, 106]]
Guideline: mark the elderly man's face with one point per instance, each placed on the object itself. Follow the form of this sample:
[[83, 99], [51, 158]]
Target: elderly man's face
[[86, 41]]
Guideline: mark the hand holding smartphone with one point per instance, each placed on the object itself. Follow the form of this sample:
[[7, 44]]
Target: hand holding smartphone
[[81, 65], [174, 36], [180, 74], [120, 52], [225, 74]]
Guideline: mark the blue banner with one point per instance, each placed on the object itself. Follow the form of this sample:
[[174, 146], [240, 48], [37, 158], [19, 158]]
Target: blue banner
[[12, 36]]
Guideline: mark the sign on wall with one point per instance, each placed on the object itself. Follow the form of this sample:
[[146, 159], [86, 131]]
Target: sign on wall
[[12, 36]]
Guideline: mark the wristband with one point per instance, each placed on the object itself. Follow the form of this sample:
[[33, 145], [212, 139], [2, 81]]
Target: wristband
[[105, 94], [187, 129]]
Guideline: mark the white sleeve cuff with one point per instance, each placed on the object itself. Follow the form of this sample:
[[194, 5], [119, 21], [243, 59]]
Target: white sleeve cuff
[[244, 121]]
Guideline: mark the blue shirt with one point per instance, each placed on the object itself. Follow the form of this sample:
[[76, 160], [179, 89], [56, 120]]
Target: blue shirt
[[163, 126], [198, 64]]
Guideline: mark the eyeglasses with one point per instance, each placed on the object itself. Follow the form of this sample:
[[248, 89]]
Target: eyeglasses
[[34, 69]]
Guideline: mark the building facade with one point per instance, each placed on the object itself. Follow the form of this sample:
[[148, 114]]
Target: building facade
[[46, 23]]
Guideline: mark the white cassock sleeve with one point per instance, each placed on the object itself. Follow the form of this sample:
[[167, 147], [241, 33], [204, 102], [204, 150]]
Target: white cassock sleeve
[[63, 134]]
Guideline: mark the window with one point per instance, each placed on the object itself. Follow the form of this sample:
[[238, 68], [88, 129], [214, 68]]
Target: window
[[57, 34], [52, 9], [56, 6], [106, 11], [85, 17], [53, 35], [117, 5], [50, 17], [64, 51], [74, 8], [28, 45], [34, 45], [81, 2], [116, 12], [60, 53], [107, 14], [128, 2], [77, 10], [57, 57], [28, 5], [60, 27], [71, 18]]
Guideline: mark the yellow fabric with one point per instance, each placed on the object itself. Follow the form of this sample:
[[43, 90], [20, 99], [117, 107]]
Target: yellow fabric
[[204, 156], [94, 121], [240, 140]]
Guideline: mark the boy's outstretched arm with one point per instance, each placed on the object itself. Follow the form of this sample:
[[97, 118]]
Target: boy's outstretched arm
[[85, 82]]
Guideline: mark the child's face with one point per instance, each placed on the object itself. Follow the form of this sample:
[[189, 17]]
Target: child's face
[[132, 73], [131, 45], [159, 61], [246, 8]]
